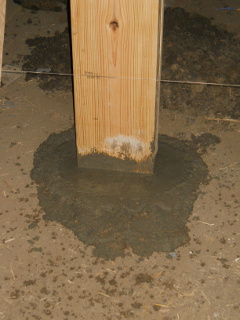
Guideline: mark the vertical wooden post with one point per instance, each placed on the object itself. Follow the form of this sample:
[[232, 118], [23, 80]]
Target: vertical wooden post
[[2, 28], [116, 47]]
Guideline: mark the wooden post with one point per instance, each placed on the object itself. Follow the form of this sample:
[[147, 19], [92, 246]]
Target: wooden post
[[2, 28], [116, 47]]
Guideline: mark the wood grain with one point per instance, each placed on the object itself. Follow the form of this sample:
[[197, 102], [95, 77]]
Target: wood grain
[[116, 50], [2, 28]]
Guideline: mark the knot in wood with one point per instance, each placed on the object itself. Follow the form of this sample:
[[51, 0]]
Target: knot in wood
[[114, 25]]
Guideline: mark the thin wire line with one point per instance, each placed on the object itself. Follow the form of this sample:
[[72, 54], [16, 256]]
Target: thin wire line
[[96, 76], [37, 72], [202, 83]]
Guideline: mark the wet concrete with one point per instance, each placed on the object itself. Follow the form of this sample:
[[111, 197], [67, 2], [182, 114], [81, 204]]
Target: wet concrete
[[114, 211]]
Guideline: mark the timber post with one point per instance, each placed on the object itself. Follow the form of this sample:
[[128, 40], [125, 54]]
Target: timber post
[[2, 28], [116, 47]]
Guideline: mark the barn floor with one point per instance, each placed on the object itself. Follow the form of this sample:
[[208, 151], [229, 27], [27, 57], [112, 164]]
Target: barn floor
[[46, 271]]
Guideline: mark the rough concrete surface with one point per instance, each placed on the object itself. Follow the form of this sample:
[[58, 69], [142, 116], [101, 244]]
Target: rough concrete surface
[[114, 210]]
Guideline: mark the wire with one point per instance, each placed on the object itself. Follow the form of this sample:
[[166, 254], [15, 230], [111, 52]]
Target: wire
[[37, 72], [203, 83], [149, 79]]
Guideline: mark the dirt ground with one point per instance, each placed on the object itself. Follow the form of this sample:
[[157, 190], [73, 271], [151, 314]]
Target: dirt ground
[[46, 271]]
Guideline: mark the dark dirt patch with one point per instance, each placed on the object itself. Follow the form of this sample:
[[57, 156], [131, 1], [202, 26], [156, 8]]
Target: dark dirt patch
[[53, 54], [193, 50], [204, 140], [27, 283], [143, 278], [47, 5], [116, 210]]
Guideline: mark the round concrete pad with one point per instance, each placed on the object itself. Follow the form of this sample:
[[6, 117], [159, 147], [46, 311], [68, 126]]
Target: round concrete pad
[[116, 210]]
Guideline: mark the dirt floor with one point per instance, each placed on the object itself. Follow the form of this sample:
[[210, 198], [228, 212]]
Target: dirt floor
[[47, 272]]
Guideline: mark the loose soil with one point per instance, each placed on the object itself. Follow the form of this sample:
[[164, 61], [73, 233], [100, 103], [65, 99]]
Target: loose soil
[[50, 271], [49, 5], [54, 55]]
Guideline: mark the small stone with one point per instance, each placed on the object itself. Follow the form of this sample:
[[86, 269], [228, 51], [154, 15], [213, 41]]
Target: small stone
[[174, 67]]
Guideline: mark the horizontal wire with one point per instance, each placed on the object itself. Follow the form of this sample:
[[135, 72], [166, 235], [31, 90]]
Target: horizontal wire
[[108, 77], [202, 83], [37, 72]]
